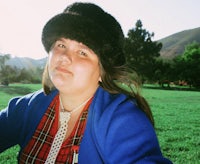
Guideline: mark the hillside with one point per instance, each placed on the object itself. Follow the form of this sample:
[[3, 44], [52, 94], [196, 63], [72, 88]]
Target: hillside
[[174, 44], [27, 63]]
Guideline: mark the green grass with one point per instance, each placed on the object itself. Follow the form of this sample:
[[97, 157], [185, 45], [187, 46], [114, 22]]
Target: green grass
[[6, 93], [176, 116]]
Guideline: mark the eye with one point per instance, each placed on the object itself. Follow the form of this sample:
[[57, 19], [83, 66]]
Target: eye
[[61, 45], [83, 53]]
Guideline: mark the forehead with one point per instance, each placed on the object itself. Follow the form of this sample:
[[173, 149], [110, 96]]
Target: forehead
[[75, 44], [70, 41]]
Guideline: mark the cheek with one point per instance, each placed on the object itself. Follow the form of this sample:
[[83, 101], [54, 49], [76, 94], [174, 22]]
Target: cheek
[[51, 66], [51, 60], [91, 72]]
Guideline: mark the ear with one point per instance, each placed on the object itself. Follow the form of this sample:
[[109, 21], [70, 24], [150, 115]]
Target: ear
[[100, 79]]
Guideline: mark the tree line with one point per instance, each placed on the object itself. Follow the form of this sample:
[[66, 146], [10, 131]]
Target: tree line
[[10, 74], [142, 55]]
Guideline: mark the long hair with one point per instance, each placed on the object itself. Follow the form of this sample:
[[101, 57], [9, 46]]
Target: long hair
[[124, 80], [91, 25], [47, 84], [117, 80]]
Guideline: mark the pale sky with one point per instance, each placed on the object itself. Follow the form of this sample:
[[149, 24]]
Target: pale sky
[[21, 21]]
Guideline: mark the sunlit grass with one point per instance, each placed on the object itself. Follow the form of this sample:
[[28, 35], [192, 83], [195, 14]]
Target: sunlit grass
[[176, 116], [177, 120]]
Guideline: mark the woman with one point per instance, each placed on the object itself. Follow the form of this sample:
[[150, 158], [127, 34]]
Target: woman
[[85, 113]]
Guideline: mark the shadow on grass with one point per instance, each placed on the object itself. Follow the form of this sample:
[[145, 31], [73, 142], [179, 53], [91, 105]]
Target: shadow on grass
[[13, 90], [171, 88]]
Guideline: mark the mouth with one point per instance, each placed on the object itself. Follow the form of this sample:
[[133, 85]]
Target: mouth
[[64, 70]]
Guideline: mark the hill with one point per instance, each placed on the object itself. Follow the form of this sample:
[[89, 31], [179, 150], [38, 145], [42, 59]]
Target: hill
[[27, 63], [174, 44]]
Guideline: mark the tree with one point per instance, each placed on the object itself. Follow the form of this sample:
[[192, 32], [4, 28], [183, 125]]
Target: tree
[[163, 72], [141, 52], [4, 69], [187, 66], [9, 74]]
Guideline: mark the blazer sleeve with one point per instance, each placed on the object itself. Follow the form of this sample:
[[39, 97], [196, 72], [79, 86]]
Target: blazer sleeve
[[20, 119], [125, 135], [11, 123]]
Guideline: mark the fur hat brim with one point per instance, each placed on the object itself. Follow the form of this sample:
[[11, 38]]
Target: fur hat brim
[[105, 39], [76, 28]]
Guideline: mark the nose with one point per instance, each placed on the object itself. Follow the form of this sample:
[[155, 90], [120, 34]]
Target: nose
[[66, 57]]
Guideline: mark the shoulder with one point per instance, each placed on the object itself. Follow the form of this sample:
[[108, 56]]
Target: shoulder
[[19, 107], [19, 119], [31, 98], [35, 96], [27, 106], [120, 126], [117, 115], [117, 107]]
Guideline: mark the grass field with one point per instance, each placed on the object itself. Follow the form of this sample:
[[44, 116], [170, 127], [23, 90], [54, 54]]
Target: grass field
[[176, 113]]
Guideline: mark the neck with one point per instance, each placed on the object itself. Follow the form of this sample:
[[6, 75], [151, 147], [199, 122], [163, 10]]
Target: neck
[[74, 108]]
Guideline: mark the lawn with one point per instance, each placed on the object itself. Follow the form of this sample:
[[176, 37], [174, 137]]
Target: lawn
[[176, 116]]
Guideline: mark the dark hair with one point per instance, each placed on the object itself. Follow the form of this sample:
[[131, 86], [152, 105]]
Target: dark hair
[[115, 80], [89, 24], [125, 80]]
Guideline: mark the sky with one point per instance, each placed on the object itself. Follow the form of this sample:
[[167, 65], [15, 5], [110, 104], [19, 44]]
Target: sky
[[22, 21]]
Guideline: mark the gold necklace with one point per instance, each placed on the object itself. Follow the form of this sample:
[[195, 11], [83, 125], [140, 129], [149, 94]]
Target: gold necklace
[[76, 108]]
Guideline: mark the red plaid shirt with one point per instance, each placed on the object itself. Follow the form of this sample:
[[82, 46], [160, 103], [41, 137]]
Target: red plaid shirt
[[36, 151]]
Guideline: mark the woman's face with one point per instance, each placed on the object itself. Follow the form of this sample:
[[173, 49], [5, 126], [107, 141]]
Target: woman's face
[[73, 67]]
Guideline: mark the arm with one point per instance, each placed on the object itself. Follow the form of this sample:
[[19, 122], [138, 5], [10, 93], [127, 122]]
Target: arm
[[118, 132], [11, 120], [19, 120], [125, 135]]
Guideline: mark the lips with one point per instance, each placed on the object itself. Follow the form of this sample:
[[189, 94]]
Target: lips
[[62, 69]]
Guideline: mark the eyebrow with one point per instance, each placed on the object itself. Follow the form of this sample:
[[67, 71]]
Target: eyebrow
[[80, 44], [60, 39], [86, 47]]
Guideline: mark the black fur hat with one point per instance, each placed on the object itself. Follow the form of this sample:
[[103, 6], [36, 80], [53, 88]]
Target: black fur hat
[[89, 24]]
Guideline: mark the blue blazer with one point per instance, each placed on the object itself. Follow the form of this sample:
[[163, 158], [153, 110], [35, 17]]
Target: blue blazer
[[116, 131]]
